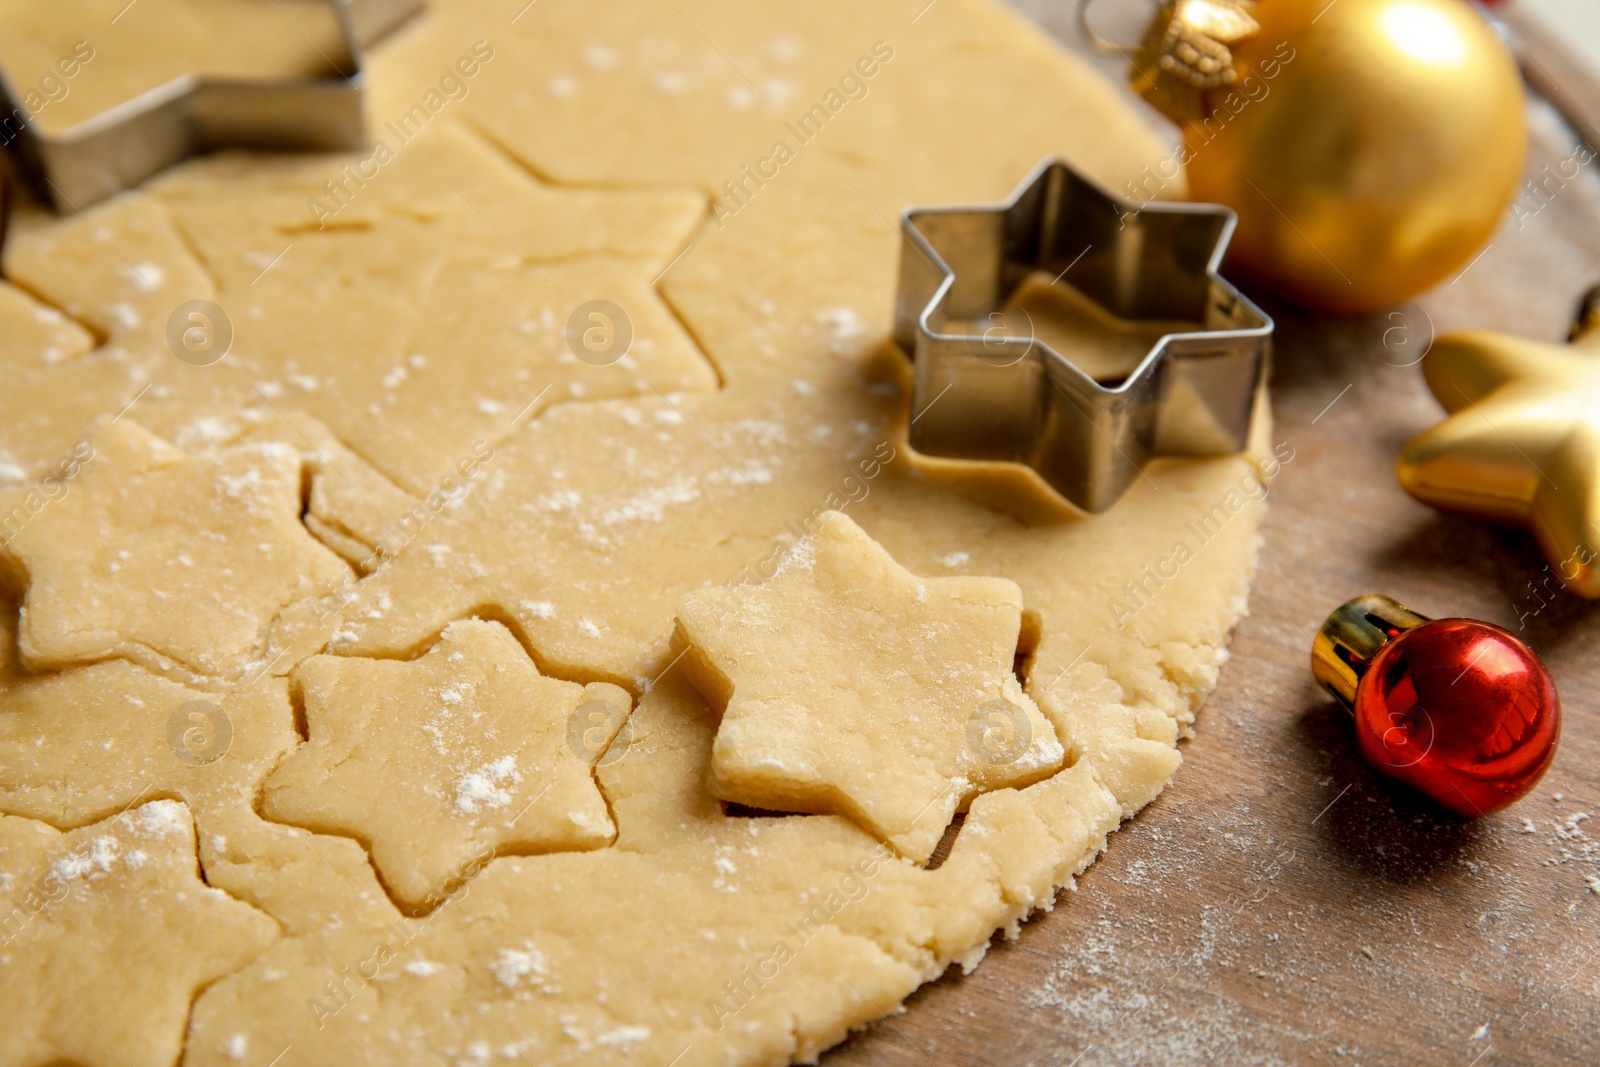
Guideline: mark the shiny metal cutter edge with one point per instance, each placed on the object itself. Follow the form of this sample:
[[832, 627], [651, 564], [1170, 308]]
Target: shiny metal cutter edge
[[123, 145], [1015, 399]]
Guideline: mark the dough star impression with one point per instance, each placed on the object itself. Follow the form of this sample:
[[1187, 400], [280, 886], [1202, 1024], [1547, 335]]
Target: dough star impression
[[851, 686], [477, 731], [126, 888], [462, 271], [161, 556]]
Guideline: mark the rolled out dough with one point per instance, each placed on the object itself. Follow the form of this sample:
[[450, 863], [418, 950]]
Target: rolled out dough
[[728, 174]]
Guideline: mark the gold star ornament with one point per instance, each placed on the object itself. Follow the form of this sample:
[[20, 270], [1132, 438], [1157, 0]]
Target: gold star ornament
[[1522, 443]]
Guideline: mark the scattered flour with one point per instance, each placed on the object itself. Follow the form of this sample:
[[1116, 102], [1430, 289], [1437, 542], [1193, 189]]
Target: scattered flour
[[484, 788], [623, 1036], [515, 968]]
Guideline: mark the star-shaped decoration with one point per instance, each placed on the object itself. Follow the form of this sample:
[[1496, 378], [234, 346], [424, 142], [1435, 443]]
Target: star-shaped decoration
[[989, 389], [1522, 443], [174, 560], [853, 687], [441, 762], [111, 935], [175, 78]]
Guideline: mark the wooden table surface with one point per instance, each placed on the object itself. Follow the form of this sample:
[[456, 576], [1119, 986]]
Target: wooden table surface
[[1280, 903]]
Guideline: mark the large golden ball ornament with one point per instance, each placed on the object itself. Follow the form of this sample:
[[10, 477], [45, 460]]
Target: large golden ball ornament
[[1370, 147]]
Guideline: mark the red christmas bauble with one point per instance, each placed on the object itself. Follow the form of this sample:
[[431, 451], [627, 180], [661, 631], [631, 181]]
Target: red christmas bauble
[[1461, 710]]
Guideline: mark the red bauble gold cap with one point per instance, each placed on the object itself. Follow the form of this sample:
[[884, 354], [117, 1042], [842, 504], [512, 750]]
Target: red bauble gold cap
[[1459, 709]]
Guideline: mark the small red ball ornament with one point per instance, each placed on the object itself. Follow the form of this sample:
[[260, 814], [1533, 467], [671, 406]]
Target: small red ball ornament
[[1458, 709]]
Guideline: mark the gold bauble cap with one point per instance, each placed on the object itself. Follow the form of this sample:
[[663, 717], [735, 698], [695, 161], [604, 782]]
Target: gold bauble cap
[[1188, 49], [1352, 635]]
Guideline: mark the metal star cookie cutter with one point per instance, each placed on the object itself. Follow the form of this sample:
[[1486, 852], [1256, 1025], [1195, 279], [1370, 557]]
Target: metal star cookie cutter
[[979, 396], [122, 146]]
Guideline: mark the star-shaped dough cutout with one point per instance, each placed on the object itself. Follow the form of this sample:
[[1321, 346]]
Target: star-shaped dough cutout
[[854, 687], [441, 762], [459, 275], [176, 561], [111, 934], [1521, 445]]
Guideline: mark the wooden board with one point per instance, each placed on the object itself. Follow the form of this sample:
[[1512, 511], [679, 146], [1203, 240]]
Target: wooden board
[[1280, 903]]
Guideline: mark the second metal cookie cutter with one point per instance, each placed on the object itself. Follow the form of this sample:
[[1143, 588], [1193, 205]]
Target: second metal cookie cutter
[[985, 396], [124, 145]]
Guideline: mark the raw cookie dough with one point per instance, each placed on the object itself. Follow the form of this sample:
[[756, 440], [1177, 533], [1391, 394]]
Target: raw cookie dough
[[444, 282], [602, 152], [745, 940], [112, 919], [852, 686], [484, 749], [176, 561]]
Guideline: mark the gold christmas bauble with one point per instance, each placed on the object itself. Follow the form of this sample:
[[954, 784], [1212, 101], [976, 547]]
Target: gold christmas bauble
[[1370, 147]]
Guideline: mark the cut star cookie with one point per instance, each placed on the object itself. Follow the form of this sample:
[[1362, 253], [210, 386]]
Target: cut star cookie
[[440, 762], [854, 687], [80, 745], [83, 904], [169, 559]]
